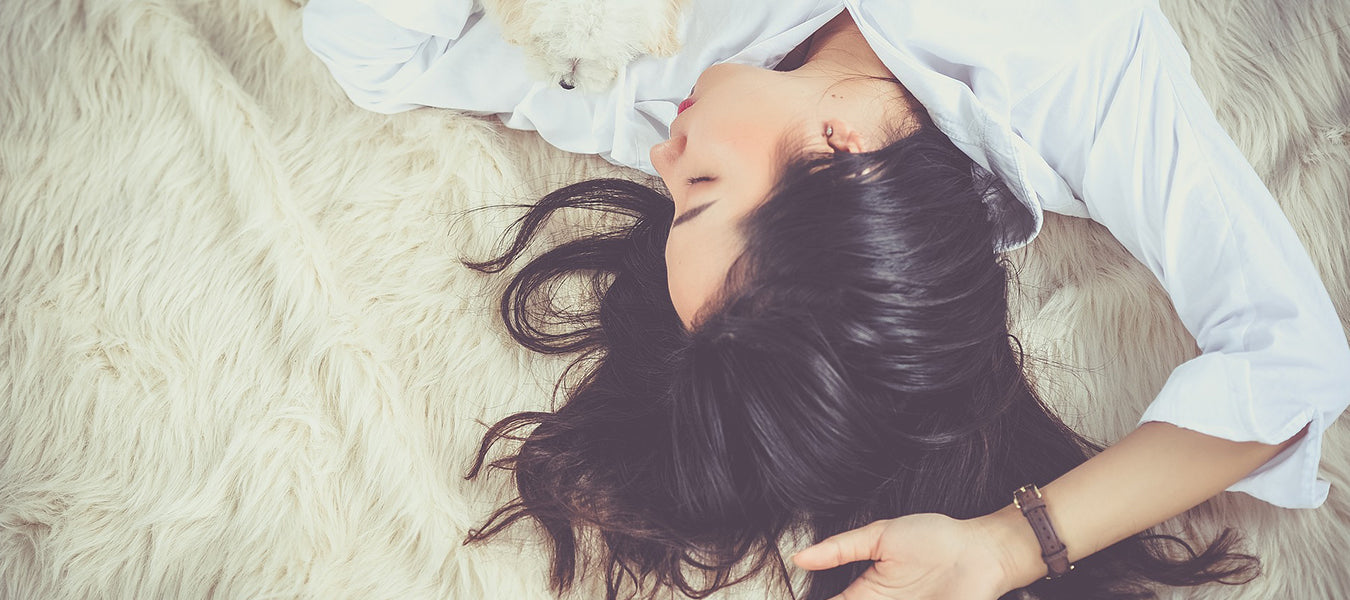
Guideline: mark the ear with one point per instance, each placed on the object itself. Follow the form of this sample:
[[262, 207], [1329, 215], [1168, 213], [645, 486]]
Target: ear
[[842, 137]]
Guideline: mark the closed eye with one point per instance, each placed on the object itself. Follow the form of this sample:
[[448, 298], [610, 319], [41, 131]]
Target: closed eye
[[694, 180]]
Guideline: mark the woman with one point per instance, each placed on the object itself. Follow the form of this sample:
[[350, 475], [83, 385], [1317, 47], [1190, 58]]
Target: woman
[[815, 331]]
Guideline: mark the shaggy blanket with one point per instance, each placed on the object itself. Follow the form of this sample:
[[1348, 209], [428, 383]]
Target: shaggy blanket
[[239, 357]]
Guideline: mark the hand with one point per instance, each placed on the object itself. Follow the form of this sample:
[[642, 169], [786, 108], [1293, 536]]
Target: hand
[[918, 557]]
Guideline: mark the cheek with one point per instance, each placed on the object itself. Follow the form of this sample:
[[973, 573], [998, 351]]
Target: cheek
[[696, 267], [691, 274], [680, 282]]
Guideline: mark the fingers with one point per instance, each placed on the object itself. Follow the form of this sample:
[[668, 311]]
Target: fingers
[[850, 546]]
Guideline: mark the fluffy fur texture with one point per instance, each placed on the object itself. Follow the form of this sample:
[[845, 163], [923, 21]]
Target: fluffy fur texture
[[239, 356], [584, 43]]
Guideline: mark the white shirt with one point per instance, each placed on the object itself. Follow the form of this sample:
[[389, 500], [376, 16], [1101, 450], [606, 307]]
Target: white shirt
[[1082, 108]]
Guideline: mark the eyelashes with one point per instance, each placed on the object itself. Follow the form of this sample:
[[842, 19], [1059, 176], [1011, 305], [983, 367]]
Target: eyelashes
[[694, 180]]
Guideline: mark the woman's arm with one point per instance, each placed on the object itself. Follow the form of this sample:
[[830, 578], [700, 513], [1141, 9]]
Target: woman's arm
[[1150, 475], [1129, 130], [1154, 473]]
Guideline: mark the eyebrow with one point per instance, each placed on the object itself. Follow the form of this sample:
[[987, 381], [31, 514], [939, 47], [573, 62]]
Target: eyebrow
[[691, 213]]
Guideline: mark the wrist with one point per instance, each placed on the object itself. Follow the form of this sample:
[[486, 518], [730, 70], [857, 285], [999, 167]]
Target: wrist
[[1015, 547]]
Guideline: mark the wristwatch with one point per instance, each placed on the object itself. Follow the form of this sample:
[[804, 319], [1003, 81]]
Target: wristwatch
[[1053, 552]]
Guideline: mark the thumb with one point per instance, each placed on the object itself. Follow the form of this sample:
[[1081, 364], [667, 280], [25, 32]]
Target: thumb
[[863, 543]]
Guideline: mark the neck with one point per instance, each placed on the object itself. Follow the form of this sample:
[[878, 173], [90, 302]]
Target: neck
[[839, 48], [839, 53]]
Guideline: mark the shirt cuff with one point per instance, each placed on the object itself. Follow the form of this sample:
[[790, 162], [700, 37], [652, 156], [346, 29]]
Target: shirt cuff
[[1212, 394]]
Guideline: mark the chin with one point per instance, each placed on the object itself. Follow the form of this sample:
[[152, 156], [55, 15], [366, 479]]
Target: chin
[[584, 44]]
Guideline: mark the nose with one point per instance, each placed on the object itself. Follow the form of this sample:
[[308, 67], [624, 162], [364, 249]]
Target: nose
[[665, 154]]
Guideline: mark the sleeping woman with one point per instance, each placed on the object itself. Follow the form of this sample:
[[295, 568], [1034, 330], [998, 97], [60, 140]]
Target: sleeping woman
[[808, 326]]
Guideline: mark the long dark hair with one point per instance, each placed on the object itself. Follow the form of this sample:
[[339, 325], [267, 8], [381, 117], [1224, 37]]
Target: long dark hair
[[858, 367]]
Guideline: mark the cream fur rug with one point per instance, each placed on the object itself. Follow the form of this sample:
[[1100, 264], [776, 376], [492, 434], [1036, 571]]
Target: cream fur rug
[[239, 358]]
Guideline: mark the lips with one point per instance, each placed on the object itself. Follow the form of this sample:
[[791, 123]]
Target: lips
[[684, 105]]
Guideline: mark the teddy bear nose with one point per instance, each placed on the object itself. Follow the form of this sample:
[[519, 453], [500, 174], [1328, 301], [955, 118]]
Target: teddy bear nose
[[569, 78]]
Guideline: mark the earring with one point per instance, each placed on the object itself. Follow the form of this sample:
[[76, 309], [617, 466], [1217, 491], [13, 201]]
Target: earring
[[829, 130]]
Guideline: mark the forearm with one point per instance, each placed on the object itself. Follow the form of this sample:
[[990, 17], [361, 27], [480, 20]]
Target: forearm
[[1154, 473]]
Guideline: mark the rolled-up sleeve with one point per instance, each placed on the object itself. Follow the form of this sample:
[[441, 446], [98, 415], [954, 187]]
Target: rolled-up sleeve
[[1129, 130]]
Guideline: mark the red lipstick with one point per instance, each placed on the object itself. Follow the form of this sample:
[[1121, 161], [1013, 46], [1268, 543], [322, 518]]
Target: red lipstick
[[684, 105]]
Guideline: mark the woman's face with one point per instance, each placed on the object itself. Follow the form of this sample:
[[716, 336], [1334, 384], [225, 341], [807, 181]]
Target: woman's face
[[724, 153]]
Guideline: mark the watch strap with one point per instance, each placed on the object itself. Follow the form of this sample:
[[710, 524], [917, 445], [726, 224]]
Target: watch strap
[[1053, 552]]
